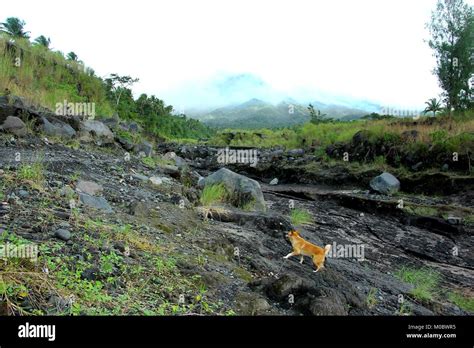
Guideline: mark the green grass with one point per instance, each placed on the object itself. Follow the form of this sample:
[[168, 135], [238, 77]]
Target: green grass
[[421, 210], [425, 282], [212, 194], [32, 173], [153, 162], [371, 299], [463, 302], [300, 217], [47, 78]]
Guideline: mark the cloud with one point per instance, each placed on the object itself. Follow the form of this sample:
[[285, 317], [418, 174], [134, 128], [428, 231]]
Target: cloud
[[361, 50]]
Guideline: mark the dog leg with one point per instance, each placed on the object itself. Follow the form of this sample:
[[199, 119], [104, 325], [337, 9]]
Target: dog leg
[[318, 267], [302, 257], [290, 254]]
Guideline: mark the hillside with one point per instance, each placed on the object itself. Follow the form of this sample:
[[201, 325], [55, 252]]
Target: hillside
[[256, 113], [49, 79]]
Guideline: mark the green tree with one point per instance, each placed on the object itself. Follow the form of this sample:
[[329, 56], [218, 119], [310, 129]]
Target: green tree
[[451, 29], [433, 105], [43, 41], [315, 115], [14, 27], [118, 84], [72, 56]]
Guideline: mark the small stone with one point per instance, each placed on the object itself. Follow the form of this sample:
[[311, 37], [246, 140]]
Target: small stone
[[23, 194], [454, 220], [274, 182], [89, 187], [156, 180], [62, 234], [139, 177]]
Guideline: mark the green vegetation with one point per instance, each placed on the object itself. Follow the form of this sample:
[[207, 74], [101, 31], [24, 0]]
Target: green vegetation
[[212, 194], [154, 161], [32, 174], [464, 302], [300, 217], [451, 28], [425, 282], [48, 78], [371, 299], [101, 283]]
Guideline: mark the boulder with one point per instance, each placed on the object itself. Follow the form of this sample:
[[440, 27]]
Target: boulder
[[112, 122], [144, 147], [385, 183], [95, 130], [241, 189], [15, 126], [99, 203], [57, 128], [125, 143], [89, 187]]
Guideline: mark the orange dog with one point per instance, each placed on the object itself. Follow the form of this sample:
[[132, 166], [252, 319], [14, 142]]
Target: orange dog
[[304, 248]]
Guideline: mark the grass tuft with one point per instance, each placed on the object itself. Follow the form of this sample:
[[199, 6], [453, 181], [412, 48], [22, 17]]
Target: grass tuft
[[300, 217], [424, 280]]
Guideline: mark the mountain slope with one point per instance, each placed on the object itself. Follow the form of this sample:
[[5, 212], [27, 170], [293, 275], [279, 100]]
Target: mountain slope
[[256, 113]]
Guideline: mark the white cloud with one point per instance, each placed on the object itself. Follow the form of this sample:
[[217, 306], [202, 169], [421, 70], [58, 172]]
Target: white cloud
[[368, 49]]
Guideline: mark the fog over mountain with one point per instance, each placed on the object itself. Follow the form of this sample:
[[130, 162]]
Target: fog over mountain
[[246, 100], [227, 89]]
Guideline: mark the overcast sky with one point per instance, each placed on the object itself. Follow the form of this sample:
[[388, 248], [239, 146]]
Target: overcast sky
[[368, 49]]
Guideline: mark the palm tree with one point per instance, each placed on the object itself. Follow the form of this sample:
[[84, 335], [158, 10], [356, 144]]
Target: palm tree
[[43, 41], [72, 56], [433, 105], [14, 27]]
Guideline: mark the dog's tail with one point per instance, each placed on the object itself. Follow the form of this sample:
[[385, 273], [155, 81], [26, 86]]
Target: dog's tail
[[327, 248]]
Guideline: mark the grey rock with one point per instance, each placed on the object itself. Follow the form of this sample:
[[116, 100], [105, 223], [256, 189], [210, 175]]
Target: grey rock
[[62, 234], [23, 194], [242, 190], [385, 183], [99, 203], [155, 180], [89, 187], [274, 182], [15, 126], [144, 147], [95, 130], [454, 220], [57, 128], [125, 143], [170, 170], [140, 177], [296, 152]]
